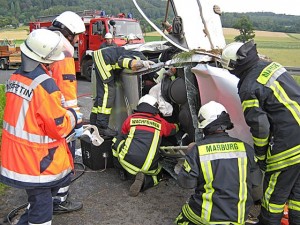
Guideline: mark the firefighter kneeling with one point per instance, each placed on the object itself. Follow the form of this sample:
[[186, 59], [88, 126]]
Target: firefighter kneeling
[[219, 168], [136, 150]]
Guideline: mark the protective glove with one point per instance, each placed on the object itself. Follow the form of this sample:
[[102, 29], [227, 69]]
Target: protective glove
[[139, 64], [78, 132], [147, 64], [217, 10]]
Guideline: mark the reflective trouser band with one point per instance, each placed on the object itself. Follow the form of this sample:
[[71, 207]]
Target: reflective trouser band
[[133, 169], [116, 151], [191, 216], [104, 110], [268, 193], [294, 205]]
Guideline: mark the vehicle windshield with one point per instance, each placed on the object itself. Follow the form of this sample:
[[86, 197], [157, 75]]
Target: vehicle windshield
[[123, 28]]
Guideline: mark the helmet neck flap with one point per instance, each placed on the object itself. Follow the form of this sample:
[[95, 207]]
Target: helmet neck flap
[[222, 123], [247, 57]]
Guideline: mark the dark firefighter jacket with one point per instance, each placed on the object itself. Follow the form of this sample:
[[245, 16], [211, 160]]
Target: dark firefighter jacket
[[270, 98], [105, 45], [109, 60], [219, 169], [139, 150], [35, 124]]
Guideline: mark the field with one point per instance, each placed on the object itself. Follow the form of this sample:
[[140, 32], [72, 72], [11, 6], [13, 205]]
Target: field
[[281, 47], [18, 35]]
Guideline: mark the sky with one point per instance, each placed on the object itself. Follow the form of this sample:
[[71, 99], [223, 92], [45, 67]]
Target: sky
[[288, 7]]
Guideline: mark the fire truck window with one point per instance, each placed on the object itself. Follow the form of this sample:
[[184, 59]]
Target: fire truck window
[[100, 26], [94, 28]]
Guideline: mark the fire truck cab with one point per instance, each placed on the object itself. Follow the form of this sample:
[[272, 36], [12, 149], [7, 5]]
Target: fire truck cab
[[97, 25]]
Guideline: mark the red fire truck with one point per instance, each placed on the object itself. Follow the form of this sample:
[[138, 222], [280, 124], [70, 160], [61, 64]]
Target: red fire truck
[[97, 25]]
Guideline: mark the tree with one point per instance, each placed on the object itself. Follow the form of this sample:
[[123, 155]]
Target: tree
[[245, 26]]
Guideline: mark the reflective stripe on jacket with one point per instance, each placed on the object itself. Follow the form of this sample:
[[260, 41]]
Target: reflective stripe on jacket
[[271, 104], [107, 60], [140, 150], [34, 150], [219, 170], [65, 78]]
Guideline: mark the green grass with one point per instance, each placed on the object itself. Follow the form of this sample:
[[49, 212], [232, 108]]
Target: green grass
[[2, 104], [152, 38], [297, 79]]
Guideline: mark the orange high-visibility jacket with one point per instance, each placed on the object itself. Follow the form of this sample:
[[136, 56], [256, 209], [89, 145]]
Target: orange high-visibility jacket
[[34, 149], [65, 77]]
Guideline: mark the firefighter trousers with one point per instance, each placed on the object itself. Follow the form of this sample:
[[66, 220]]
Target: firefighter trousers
[[280, 188], [103, 103], [63, 192]]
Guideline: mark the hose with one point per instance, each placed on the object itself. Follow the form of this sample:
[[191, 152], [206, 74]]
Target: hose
[[15, 211]]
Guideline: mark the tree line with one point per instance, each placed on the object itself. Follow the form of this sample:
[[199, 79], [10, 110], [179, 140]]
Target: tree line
[[16, 12]]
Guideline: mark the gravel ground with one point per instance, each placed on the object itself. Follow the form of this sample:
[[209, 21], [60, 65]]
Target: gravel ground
[[106, 201]]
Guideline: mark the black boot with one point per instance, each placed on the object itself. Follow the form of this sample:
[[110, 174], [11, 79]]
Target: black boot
[[107, 132], [67, 206]]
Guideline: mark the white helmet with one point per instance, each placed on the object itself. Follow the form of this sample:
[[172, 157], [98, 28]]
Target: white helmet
[[209, 113], [131, 36], [71, 21], [229, 55], [149, 99], [43, 46], [108, 35]]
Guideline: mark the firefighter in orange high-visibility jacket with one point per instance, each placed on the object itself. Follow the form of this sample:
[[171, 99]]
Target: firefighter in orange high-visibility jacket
[[136, 150], [63, 72], [220, 169], [35, 154]]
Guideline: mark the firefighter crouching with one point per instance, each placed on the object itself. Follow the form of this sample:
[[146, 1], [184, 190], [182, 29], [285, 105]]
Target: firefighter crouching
[[35, 155], [271, 103], [219, 168], [109, 62], [63, 72], [136, 150]]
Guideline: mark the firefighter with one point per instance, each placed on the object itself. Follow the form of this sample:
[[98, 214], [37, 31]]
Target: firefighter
[[136, 150], [130, 38], [270, 99], [63, 72], [108, 41], [219, 168], [35, 155], [108, 63]]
